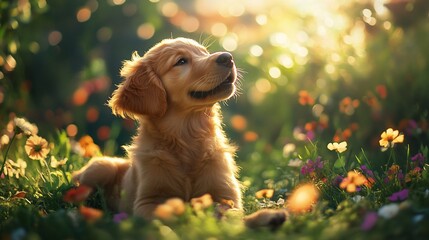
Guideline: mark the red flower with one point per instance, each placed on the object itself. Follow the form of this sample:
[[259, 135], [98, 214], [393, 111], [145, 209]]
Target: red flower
[[78, 194]]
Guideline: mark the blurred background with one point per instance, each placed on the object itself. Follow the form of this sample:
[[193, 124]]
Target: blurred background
[[315, 71]]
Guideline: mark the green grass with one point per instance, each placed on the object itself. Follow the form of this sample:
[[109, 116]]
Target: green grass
[[32, 206]]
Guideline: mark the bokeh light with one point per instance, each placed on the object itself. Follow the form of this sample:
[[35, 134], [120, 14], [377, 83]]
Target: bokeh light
[[146, 31], [302, 198], [54, 38], [72, 130], [83, 15]]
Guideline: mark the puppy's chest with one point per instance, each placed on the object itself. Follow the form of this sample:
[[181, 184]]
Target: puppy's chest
[[192, 163]]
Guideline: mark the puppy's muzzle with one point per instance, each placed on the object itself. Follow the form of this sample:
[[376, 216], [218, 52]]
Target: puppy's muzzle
[[225, 59]]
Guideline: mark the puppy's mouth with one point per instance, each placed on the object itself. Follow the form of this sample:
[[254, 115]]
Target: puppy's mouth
[[226, 84]]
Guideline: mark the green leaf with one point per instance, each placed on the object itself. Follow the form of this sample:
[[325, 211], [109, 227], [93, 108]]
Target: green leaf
[[340, 163]]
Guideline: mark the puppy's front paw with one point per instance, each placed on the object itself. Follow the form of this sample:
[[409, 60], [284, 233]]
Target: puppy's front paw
[[271, 218]]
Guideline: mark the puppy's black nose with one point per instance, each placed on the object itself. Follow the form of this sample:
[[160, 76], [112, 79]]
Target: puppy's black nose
[[225, 59]]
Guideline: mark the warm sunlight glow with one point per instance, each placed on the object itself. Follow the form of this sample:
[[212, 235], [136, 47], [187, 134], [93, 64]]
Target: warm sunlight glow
[[302, 198]]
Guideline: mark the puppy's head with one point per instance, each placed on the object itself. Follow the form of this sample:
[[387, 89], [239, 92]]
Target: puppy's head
[[176, 73]]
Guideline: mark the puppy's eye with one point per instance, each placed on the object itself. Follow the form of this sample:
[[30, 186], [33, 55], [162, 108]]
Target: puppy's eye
[[181, 61]]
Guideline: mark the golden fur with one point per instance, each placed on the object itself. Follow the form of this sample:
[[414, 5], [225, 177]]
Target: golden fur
[[180, 149]]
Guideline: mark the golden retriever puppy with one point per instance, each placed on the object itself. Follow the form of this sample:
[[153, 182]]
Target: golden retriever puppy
[[180, 149]]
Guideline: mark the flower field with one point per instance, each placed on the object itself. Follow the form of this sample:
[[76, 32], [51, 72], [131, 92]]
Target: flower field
[[331, 119]]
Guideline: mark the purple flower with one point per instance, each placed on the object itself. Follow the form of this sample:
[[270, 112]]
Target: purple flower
[[400, 175], [418, 159], [399, 196], [337, 180], [368, 172], [412, 127], [369, 221], [119, 217], [312, 166]]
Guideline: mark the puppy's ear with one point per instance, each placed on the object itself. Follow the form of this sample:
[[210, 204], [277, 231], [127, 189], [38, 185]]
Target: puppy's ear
[[141, 93]]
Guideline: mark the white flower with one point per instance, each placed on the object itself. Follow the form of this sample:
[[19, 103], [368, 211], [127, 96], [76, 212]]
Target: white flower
[[295, 162], [339, 147], [21, 166], [16, 169], [55, 163], [288, 149], [4, 140], [25, 126], [357, 198], [9, 169], [388, 211]]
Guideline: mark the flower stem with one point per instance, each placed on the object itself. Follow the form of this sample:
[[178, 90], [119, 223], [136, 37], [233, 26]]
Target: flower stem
[[64, 175], [6, 153], [49, 171]]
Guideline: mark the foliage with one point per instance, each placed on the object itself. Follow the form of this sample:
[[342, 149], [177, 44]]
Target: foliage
[[323, 82]]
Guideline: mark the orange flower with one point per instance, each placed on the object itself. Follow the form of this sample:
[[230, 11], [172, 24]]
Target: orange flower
[[390, 137], [202, 202], [36, 147], [228, 203], [352, 181], [369, 182], [78, 194], [305, 98], [90, 148], [177, 204], [302, 198], [164, 212], [348, 106], [171, 208], [90, 214], [265, 193]]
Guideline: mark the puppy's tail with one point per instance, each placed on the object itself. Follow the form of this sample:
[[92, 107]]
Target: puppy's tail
[[102, 172]]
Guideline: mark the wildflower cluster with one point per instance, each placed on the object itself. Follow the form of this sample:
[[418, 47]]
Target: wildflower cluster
[[36, 167], [36, 147]]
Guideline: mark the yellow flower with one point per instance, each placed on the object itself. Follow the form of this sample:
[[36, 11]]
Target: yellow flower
[[202, 202], [264, 193], [55, 163], [390, 137], [36, 147], [339, 147], [352, 181], [26, 127]]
